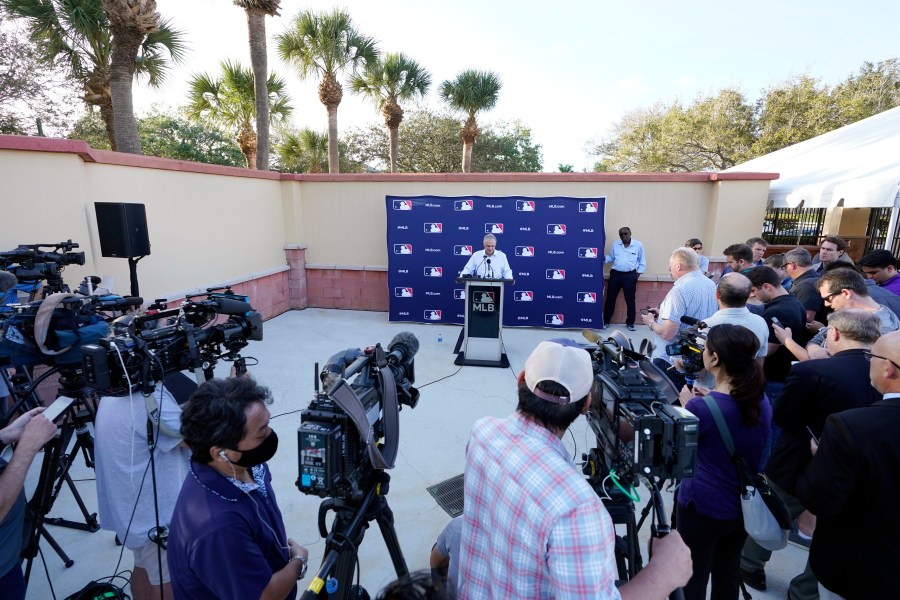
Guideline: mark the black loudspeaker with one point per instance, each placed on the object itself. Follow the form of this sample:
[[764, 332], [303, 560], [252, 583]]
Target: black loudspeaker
[[123, 229]]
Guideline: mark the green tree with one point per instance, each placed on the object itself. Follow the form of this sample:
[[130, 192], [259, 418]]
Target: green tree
[[256, 29], [229, 101], [793, 111], [431, 145], [471, 91], [387, 82], [566, 168], [642, 140], [324, 45], [167, 134], [78, 33], [874, 89], [32, 91], [506, 148], [306, 151]]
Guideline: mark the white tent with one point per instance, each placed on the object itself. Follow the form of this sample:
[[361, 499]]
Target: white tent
[[856, 166]]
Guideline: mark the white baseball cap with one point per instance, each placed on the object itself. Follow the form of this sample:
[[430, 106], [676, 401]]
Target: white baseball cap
[[564, 362]]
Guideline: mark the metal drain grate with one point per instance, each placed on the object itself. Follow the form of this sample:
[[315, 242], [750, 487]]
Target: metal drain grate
[[449, 495]]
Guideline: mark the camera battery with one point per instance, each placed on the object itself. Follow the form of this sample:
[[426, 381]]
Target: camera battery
[[319, 447]]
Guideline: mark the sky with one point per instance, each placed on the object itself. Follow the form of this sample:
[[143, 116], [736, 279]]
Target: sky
[[570, 69]]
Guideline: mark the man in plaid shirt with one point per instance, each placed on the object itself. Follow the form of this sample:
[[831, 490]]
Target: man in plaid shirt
[[533, 527]]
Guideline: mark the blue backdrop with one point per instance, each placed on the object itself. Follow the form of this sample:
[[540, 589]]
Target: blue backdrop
[[554, 247]]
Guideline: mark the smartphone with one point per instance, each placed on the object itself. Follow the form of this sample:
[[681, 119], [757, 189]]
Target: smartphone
[[775, 321], [645, 311], [58, 407], [812, 435]]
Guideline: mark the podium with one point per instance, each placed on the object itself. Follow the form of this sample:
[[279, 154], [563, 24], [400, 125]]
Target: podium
[[480, 343]]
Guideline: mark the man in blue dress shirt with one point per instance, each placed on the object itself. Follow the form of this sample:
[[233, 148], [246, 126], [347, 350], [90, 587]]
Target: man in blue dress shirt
[[628, 262]]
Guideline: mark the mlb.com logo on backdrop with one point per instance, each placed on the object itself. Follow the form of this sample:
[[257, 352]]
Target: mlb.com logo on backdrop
[[403, 292], [463, 205], [434, 228], [402, 248], [556, 229], [403, 205], [433, 315], [523, 296], [493, 227], [524, 250], [588, 207], [558, 274], [462, 250], [525, 205], [590, 297], [587, 252], [434, 271], [554, 319], [459, 294]]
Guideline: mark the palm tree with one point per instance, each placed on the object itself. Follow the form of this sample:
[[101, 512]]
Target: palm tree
[[130, 22], [230, 102], [78, 31], [388, 81], [303, 152], [256, 28], [471, 91], [324, 44]]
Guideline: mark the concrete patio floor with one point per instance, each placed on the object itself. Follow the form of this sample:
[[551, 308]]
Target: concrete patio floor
[[432, 446]]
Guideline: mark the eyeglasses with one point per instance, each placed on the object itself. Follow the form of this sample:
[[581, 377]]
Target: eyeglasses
[[869, 356], [827, 299]]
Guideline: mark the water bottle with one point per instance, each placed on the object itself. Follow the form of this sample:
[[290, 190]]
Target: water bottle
[[440, 337]]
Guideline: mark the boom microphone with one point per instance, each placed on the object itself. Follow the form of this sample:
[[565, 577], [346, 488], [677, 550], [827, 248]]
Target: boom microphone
[[227, 306], [403, 347], [692, 321]]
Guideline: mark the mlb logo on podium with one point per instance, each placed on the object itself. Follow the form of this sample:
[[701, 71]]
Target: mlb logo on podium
[[484, 297], [493, 227], [402, 204], [523, 296], [463, 205], [554, 319], [459, 294], [402, 248], [587, 297], [462, 250], [434, 228], [524, 250], [434, 271], [432, 315], [587, 253], [588, 207], [556, 273], [525, 205], [403, 292], [556, 229]]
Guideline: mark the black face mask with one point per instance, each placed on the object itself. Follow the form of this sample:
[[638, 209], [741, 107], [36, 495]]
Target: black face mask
[[260, 454]]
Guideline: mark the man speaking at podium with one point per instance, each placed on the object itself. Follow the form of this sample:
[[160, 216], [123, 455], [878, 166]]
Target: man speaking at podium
[[489, 263]]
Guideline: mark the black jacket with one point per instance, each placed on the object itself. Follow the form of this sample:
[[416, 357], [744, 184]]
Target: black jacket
[[813, 390]]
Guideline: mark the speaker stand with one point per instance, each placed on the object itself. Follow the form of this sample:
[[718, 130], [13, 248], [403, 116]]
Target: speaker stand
[[132, 270]]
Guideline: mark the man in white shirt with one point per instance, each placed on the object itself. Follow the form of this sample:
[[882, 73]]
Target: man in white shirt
[[489, 263]]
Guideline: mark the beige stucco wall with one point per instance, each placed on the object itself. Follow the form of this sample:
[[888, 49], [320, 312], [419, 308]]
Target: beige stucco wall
[[210, 225]]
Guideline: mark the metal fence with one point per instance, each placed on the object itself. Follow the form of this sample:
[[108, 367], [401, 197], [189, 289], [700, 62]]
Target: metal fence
[[796, 226]]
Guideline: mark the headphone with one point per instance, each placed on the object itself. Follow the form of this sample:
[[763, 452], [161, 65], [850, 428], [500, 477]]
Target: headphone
[[222, 454]]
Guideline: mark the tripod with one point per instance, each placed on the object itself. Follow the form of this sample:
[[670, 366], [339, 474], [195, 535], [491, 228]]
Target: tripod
[[620, 506], [55, 471], [351, 519]]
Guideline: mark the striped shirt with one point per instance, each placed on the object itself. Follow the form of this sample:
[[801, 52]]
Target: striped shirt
[[533, 527], [692, 295]]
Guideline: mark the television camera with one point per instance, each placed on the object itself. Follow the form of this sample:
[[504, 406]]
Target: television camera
[[33, 263], [641, 433], [142, 350], [347, 439], [688, 344]]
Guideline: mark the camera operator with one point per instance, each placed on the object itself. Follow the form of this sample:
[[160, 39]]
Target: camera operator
[[709, 512], [489, 262], [533, 527], [227, 537], [125, 492], [29, 432]]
